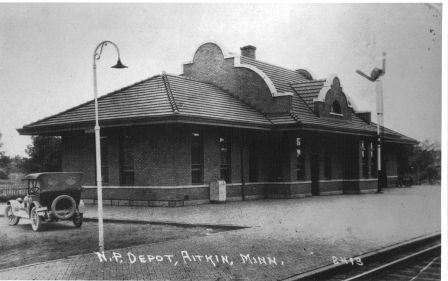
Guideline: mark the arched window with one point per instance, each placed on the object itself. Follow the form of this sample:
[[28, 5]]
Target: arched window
[[336, 107]]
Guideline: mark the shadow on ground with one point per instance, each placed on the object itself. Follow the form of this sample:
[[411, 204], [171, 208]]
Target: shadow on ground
[[19, 245]]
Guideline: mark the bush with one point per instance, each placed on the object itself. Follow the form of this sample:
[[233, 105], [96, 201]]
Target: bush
[[3, 175]]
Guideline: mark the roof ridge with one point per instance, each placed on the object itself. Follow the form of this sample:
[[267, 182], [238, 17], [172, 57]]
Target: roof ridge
[[188, 78], [93, 100], [169, 93]]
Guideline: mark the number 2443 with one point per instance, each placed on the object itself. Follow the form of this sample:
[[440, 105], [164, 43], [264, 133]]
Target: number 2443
[[353, 261]]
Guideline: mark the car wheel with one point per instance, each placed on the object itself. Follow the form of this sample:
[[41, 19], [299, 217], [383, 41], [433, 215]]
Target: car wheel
[[69, 207], [10, 217], [36, 221], [77, 220]]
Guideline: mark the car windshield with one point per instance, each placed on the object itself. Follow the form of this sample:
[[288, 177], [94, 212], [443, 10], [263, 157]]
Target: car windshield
[[33, 187]]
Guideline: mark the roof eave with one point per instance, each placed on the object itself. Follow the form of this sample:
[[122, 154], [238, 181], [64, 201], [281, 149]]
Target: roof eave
[[172, 118], [357, 132]]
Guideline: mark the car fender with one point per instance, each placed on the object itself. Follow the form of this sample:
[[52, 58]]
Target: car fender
[[15, 206], [18, 209]]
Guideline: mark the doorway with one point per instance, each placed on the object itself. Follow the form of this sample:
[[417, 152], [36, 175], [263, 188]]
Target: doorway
[[314, 170]]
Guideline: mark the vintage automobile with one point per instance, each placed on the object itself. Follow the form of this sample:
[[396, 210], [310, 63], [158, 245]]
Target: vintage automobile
[[50, 197]]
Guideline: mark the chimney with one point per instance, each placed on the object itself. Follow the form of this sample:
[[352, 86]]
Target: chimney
[[248, 51]]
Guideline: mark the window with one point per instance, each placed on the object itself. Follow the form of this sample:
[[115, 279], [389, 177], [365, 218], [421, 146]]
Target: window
[[126, 161], [224, 150], [327, 164], [336, 107], [372, 160], [365, 159], [197, 159], [300, 159], [104, 161], [253, 162]]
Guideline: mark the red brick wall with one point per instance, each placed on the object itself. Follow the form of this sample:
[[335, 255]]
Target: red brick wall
[[323, 108], [78, 155], [162, 155], [112, 142], [149, 194], [330, 187], [209, 65], [360, 186], [162, 158]]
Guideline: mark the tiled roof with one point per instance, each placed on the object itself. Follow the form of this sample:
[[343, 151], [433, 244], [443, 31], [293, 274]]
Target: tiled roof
[[171, 96], [308, 90], [308, 119], [159, 96], [281, 119], [281, 77], [194, 98], [147, 98]]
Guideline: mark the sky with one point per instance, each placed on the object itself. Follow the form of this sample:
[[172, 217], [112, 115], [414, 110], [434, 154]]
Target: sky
[[46, 52]]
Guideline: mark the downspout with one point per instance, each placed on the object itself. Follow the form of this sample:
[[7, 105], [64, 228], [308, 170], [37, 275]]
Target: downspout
[[242, 168]]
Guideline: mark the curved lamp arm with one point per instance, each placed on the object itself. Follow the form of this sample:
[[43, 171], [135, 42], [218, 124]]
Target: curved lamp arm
[[99, 50]]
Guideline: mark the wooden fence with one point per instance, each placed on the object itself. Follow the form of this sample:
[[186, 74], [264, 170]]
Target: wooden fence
[[11, 190]]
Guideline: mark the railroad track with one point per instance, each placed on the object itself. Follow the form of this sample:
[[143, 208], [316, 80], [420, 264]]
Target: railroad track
[[415, 260]]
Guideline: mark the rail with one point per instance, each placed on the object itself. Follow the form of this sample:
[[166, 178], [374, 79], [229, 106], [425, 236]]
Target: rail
[[374, 261], [384, 267]]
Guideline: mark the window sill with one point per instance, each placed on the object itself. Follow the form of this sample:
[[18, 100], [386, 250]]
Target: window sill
[[337, 114]]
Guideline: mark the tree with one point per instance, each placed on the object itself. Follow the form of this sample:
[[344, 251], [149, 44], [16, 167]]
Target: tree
[[44, 155], [426, 161], [4, 162]]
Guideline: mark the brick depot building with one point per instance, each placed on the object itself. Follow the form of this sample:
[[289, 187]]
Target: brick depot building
[[269, 132]]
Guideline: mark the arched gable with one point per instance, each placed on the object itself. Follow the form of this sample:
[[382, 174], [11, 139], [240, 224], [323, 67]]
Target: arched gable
[[332, 101], [220, 47], [212, 54], [213, 63]]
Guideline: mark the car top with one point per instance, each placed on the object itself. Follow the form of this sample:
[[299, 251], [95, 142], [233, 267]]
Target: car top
[[35, 176]]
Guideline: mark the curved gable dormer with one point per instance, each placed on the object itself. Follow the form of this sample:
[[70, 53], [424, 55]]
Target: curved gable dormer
[[332, 101], [213, 64]]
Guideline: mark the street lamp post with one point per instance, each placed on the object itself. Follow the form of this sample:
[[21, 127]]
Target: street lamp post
[[375, 76], [96, 56]]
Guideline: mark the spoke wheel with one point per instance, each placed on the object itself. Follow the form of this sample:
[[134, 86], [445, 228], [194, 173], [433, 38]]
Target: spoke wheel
[[10, 217], [77, 220], [36, 221]]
